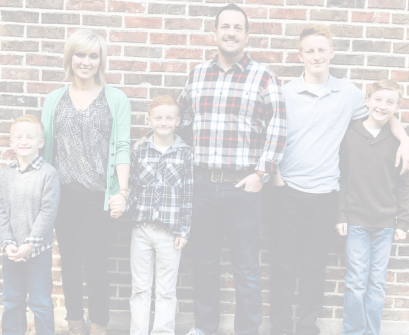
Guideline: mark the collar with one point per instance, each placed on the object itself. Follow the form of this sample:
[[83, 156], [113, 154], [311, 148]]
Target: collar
[[176, 145], [332, 85], [241, 65], [359, 127], [36, 164]]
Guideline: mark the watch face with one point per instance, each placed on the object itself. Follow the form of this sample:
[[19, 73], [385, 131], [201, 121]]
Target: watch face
[[266, 178]]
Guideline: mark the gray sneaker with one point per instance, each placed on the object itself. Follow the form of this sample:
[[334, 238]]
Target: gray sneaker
[[197, 331]]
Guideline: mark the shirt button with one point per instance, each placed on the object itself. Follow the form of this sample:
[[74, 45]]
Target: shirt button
[[112, 154], [112, 165], [113, 143]]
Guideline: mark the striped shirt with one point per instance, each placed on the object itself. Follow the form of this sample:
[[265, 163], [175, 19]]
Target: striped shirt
[[237, 116]]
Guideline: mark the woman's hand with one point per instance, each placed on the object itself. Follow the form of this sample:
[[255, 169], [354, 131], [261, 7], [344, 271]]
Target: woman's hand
[[117, 204]]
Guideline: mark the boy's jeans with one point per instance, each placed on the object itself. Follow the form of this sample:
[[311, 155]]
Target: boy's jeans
[[367, 254], [153, 251], [32, 277]]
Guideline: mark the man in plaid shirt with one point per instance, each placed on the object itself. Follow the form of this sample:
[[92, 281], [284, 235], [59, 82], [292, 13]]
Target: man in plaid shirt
[[233, 111]]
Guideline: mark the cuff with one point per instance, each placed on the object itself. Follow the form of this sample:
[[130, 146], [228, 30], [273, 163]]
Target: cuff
[[270, 167], [184, 232], [5, 243], [34, 241], [123, 158]]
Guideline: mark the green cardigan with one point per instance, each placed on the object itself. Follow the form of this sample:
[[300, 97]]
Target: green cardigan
[[120, 135]]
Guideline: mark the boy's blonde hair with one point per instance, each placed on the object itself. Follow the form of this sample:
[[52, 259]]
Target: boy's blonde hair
[[315, 29], [161, 100], [86, 41], [385, 84], [28, 118]]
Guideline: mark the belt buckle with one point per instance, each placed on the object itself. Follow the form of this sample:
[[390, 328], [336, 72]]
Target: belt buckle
[[215, 181]]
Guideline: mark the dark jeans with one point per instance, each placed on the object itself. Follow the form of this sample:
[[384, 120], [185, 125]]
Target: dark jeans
[[302, 230], [32, 277], [84, 232], [221, 210]]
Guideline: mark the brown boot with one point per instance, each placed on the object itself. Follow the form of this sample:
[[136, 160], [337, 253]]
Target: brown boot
[[97, 329], [76, 327]]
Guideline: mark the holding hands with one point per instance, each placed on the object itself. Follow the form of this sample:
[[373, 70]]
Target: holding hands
[[117, 204], [18, 254]]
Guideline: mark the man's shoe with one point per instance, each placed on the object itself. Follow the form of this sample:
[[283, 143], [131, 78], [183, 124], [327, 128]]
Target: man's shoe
[[197, 331], [76, 327], [97, 329]]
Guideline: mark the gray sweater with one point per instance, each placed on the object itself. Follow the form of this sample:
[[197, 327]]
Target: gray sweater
[[28, 203]]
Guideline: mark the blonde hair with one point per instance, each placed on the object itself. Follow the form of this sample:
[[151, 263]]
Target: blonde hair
[[161, 100], [315, 29], [85, 41], [28, 118], [385, 84]]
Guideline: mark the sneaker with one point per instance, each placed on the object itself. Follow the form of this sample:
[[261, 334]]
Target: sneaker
[[197, 331]]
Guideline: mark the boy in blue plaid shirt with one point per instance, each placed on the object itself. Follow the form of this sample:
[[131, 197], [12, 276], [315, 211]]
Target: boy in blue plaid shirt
[[160, 204]]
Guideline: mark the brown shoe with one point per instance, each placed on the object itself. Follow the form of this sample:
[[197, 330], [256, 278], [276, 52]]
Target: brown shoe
[[76, 327], [97, 329]]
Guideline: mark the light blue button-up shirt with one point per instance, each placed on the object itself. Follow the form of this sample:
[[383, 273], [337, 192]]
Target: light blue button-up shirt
[[317, 122]]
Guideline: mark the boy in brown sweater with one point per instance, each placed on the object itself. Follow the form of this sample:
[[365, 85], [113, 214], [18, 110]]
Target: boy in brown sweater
[[373, 208]]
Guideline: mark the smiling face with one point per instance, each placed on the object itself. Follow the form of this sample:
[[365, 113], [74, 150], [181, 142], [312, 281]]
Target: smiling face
[[382, 105], [163, 120], [26, 139], [230, 35], [316, 53], [85, 65]]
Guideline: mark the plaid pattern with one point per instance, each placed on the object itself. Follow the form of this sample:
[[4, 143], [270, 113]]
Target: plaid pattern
[[162, 186], [34, 241], [238, 116]]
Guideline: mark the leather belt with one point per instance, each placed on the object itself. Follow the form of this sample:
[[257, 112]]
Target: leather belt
[[218, 176]]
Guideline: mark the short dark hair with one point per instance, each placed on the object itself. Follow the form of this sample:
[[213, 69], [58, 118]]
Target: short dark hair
[[231, 7]]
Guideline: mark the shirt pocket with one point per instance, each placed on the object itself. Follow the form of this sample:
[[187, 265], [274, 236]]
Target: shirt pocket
[[146, 174], [173, 174], [335, 117]]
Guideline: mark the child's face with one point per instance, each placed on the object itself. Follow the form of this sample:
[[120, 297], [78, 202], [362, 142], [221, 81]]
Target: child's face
[[164, 120], [382, 105], [26, 139]]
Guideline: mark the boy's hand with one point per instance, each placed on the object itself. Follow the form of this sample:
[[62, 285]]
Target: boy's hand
[[253, 183], [117, 204], [180, 242], [138, 143], [403, 154], [19, 255], [342, 229], [11, 251], [400, 235]]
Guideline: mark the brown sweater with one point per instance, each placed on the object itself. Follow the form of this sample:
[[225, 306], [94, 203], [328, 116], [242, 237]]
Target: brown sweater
[[373, 194]]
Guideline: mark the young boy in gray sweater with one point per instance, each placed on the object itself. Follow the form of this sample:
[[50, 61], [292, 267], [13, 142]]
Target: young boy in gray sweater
[[29, 197]]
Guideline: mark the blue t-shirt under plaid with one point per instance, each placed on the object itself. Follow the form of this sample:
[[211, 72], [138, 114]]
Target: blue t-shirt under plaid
[[162, 186]]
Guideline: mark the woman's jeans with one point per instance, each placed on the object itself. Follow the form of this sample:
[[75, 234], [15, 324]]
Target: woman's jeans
[[367, 254], [84, 232], [32, 277]]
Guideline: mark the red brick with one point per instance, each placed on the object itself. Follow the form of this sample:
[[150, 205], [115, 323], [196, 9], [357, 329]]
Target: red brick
[[102, 20], [39, 60], [11, 60], [265, 28], [265, 2], [288, 14], [202, 40], [292, 57], [400, 75], [183, 24], [114, 50], [172, 39], [20, 74], [329, 15], [397, 289], [395, 315], [20, 45], [306, 2], [168, 67], [126, 6], [370, 17], [143, 22], [267, 56], [113, 78], [12, 30], [42, 88], [389, 4], [256, 12], [92, 5], [45, 4], [126, 65], [102, 32], [184, 53], [7, 154], [258, 42], [209, 54], [11, 3], [128, 36]]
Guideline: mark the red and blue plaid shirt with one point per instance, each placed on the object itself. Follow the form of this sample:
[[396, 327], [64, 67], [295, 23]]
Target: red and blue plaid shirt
[[237, 116]]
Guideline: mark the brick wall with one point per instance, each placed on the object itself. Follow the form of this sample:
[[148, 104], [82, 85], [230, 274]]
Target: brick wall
[[153, 45]]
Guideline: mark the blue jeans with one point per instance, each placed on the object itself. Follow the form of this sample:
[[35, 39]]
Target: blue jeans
[[367, 254], [32, 277], [219, 211]]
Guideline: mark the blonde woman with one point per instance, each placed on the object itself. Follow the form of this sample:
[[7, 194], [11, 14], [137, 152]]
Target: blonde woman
[[87, 132]]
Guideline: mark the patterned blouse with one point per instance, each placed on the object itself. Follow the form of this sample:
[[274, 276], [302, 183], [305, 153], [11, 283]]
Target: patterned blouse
[[82, 141]]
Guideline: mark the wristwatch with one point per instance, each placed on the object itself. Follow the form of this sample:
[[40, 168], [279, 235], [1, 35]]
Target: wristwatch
[[264, 177]]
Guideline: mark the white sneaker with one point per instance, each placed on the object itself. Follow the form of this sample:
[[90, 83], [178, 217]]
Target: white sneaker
[[196, 331]]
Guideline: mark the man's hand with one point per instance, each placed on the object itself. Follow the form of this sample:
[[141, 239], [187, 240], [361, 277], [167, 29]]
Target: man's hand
[[342, 229], [278, 180], [400, 235], [403, 154], [138, 143], [11, 251], [117, 204], [180, 242], [18, 254], [252, 183]]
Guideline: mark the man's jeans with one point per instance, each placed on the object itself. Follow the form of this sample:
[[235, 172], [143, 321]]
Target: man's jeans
[[153, 254], [32, 277], [222, 210], [367, 252]]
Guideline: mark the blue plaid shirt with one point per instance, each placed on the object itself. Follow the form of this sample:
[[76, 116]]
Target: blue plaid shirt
[[162, 186]]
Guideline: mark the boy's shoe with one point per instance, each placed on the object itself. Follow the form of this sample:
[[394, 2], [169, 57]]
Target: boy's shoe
[[196, 331], [76, 327], [97, 329]]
